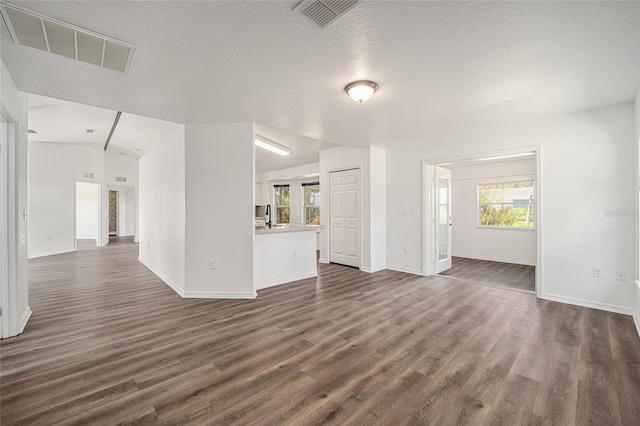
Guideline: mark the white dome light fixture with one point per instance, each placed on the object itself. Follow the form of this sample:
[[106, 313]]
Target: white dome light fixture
[[361, 90]]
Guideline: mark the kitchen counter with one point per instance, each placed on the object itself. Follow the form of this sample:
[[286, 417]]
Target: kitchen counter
[[286, 228], [284, 254]]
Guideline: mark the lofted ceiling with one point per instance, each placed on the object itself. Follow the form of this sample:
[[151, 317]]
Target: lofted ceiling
[[441, 66], [59, 121]]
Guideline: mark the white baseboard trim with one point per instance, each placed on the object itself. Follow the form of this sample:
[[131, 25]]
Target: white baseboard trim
[[220, 294], [272, 283], [636, 314], [166, 280], [403, 269], [372, 271], [50, 253], [493, 259], [588, 304], [323, 260], [24, 319]]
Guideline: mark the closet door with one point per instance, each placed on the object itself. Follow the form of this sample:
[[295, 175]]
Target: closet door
[[345, 217]]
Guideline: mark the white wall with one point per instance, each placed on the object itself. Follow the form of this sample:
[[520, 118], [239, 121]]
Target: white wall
[[371, 161], [378, 208], [471, 241], [587, 176], [53, 172], [220, 210], [87, 211], [162, 210], [128, 222], [16, 289]]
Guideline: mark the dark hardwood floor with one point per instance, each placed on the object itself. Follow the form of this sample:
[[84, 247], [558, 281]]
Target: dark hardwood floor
[[109, 343], [497, 274]]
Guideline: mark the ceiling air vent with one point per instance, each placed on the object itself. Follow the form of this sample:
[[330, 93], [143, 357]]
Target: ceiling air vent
[[31, 29], [324, 12]]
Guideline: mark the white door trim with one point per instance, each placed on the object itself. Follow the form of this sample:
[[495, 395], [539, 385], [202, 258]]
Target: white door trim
[[428, 170]]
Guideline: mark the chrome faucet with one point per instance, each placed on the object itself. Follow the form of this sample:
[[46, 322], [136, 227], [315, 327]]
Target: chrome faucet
[[267, 212]]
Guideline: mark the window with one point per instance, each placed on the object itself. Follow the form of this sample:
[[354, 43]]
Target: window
[[507, 205], [282, 208], [311, 197]]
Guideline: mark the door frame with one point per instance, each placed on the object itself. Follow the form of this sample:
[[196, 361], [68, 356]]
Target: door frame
[[428, 206], [360, 200], [11, 324], [4, 251]]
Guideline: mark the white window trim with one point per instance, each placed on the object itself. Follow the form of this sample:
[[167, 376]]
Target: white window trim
[[276, 206], [303, 201]]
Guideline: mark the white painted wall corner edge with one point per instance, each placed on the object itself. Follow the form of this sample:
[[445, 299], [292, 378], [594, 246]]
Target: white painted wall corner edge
[[287, 280], [166, 280], [588, 304]]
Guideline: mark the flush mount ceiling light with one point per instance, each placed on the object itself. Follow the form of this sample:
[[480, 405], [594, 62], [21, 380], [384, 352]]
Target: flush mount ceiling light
[[361, 90], [272, 146]]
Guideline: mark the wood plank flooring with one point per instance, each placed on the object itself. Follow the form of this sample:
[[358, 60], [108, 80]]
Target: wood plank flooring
[[109, 343], [498, 274]]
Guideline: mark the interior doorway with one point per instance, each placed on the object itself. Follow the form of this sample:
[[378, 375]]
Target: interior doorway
[[113, 213], [121, 215], [87, 213], [482, 222]]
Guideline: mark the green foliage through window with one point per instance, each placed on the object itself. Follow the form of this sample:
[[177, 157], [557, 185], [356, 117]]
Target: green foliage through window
[[508, 205], [311, 203], [282, 208]]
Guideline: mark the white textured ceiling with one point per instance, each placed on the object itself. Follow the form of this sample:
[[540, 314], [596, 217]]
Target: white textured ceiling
[[440, 65], [58, 121]]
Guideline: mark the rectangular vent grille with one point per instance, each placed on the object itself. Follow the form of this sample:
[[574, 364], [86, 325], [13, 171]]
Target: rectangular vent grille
[[121, 179], [88, 175], [40, 32], [324, 12]]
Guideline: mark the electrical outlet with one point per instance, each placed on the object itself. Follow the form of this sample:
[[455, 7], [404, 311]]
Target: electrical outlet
[[212, 264], [405, 249], [597, 272], [621, 275]]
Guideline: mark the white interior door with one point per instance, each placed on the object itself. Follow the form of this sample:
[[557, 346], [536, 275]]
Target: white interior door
[[443, 219], [345, 217]]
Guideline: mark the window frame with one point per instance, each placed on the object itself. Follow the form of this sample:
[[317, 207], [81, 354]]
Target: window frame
[[306, 206], [533, 203], [280, 206]]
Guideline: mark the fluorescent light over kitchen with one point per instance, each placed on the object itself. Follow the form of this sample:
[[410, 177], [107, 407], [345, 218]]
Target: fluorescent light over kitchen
[[272, 146]]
